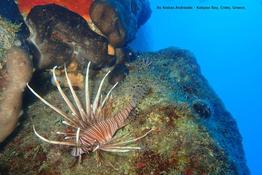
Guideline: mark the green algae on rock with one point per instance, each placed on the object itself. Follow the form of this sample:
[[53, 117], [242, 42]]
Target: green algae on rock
[[183, 142], [7, 36]]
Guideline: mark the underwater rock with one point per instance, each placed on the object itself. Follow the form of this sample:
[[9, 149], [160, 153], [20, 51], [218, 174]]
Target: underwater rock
[[202, 108], [124, 55], [15, 67], [118, 74], [61, 35], [7, 36], [13, 30], [182, 142], [119, 20], [10, 12], [18, 73]]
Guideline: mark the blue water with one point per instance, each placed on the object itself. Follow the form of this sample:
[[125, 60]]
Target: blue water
[[228, 47]]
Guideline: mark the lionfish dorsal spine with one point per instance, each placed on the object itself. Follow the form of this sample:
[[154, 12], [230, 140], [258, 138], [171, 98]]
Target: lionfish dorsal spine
[[88, 106], [67, 101], [76, 99], [97, 98]]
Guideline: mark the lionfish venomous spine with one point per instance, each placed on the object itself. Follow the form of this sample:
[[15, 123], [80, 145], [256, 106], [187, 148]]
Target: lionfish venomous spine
[[92, 128]]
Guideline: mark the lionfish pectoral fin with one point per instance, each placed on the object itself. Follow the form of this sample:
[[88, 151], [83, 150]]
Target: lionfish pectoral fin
[[52, 107], [121, 148], [52, 141], [115, 150], [132, 140]]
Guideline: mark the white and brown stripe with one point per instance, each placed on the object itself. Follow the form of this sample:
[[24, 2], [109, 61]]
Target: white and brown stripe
[[92, 128]]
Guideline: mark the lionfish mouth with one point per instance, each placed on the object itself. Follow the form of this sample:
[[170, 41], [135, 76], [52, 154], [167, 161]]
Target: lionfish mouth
[[92, 128]]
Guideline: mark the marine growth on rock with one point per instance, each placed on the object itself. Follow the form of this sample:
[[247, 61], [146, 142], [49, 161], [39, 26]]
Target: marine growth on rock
[[93, 128]]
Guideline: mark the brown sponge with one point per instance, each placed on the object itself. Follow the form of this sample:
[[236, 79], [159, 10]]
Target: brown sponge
[[19, 72]]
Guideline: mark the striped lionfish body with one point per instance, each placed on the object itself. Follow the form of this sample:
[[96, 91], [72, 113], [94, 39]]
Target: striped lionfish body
[[92, 128]]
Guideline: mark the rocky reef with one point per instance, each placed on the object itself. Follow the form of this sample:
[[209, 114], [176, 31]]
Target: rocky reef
[[15, 67], [17, 72], [61, 35], [119, 20], [193, 132]]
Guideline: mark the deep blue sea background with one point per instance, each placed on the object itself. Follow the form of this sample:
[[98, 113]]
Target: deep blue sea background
[[228, 47]]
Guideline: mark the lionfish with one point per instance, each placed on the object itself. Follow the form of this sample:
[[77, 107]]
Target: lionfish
[[92, 129]]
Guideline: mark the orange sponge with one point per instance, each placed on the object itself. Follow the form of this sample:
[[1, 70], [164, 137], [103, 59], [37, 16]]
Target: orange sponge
[[80, 7]]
